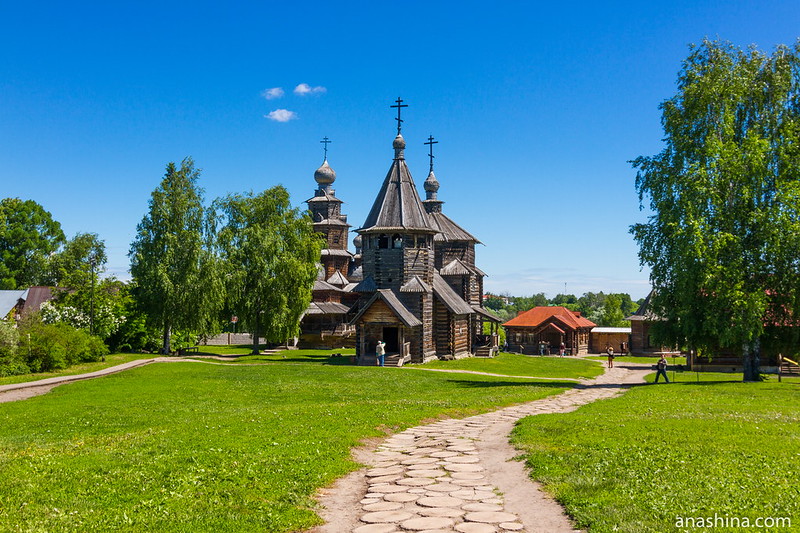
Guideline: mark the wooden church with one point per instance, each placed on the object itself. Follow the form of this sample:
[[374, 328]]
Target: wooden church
[[421, 292], [412, 281]]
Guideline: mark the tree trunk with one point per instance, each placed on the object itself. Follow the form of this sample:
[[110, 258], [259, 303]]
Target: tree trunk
[[165, 348], [256, 334], [752, 361]]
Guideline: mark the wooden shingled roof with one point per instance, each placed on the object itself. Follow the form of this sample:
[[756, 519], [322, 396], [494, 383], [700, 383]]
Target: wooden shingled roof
[[539, 315], [396, 306], [448, 230], [454, 303], [398, 206]]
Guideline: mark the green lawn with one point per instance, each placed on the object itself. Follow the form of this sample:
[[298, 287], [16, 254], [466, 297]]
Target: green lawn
[[662, 453], [83, 368], [292, 356], [509, 364], [200, 447]]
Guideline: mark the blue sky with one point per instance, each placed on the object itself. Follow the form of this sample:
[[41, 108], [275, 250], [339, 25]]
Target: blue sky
[[537, 108]]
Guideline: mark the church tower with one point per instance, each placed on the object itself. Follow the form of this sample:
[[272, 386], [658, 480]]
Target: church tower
[[326, 213], [397, 264]]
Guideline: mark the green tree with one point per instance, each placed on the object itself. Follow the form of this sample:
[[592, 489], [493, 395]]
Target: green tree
[[722, 240], [171, 261], [72, 266], [270, 255], [611, 314], [28, 236]]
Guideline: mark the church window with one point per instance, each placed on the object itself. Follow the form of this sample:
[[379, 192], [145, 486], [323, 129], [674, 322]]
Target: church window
[[383, 241], [397, 241]]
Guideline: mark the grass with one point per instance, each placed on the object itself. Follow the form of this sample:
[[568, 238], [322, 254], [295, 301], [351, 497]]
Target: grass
[[200, 447], [295, 356], [641, 461], [509, 364], [82, 368]]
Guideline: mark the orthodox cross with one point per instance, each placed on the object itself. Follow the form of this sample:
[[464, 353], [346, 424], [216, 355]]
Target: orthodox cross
[[430, 143], [399, 106], [325, 141]]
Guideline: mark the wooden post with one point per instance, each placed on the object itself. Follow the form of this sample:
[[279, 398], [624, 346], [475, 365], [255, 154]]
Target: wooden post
[[780, 365]]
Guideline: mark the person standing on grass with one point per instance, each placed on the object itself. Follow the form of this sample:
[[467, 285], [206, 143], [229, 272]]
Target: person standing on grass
[[610, 352], [380, 351], [662, 368]]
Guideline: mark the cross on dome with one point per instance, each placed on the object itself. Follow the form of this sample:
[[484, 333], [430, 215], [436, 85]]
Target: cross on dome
[[430, 143], [399, 106]]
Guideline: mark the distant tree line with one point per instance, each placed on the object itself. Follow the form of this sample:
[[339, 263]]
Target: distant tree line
[[601, 308], [193, 265]]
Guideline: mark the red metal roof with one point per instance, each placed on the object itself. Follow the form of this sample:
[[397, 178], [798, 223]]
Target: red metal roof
[[539, 315]]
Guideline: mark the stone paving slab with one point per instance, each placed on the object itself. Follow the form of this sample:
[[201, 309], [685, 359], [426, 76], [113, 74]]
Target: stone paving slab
[[461, 497]]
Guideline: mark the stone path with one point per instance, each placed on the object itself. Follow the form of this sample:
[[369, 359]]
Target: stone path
[[447, 476]]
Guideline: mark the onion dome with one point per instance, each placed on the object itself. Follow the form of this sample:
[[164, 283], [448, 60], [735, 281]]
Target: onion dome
[[357, 242], [325, 175], [399, 144], [431, 186]]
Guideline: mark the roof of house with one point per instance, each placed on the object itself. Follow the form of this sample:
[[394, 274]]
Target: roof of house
[[337, 279], [36, 297], [415, 284], [456, 267], [9, 300], [449, 230], [486, 313], [603, 329], [397, 307], [326, 308], [449, 298], [539, 315], [644, 312]]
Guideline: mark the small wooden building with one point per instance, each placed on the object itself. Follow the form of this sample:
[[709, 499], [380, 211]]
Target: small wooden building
[[543, 329], [641, 341], [600, 338]]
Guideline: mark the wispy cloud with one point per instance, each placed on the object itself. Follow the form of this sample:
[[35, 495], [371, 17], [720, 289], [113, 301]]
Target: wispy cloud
[[281, 115], [272, 94], [305, 89]]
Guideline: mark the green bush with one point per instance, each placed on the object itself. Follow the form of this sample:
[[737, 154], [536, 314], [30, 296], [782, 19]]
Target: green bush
[[11, 363], [45, 347]]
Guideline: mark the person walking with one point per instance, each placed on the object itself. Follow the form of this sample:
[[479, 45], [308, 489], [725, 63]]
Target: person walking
[[661, 367], [380, 351], [562, 350], [610, 352]]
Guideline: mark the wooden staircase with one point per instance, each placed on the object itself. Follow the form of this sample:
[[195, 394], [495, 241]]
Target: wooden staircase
[[787, 367], [486, 351], [393, 359]]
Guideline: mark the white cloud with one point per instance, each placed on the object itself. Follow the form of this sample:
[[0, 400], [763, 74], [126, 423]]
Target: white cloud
[[303, 89], [281, 115], [271, 94]]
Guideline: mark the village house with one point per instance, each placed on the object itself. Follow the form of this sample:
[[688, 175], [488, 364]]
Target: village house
[[543, 329]]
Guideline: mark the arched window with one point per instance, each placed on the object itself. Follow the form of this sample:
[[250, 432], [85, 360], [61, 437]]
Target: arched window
[[397, 241], [383, 241]]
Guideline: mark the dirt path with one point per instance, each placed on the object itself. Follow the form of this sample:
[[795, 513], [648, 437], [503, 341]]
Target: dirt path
[[459, 475]]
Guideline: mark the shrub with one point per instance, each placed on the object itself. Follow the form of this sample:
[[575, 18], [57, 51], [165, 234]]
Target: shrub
[[46, 347], [11, 364]]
